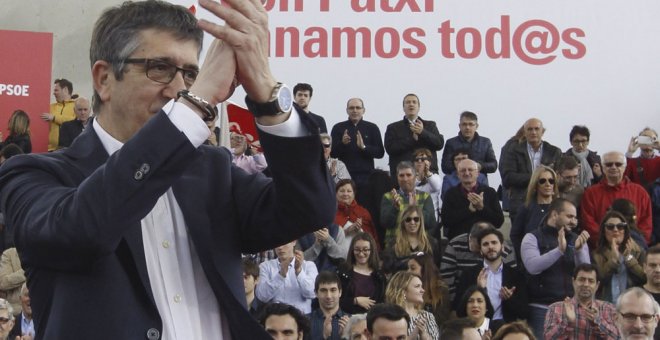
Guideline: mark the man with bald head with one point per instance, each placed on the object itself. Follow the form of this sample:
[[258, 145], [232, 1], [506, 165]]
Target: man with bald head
[[71, 129], [598, 197], [469, 202], [357, 142], [519, 162]]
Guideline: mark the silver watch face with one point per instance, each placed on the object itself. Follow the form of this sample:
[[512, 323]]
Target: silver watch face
[[285, 98]]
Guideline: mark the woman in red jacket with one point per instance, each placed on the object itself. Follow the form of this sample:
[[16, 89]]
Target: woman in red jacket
[[350, 215]]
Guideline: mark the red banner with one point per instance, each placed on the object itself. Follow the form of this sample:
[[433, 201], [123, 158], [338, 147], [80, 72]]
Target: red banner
[[25, 81], [242, 121]]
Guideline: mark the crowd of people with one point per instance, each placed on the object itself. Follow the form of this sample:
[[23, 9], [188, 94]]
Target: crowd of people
[[415, 252]]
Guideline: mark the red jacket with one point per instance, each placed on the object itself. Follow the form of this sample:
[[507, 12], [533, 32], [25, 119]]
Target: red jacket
[[598, 198], [351, 213]]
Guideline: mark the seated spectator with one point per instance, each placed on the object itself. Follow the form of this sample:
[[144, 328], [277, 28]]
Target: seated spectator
[[542, 189], [362, 282], [328, 320], [475, 304], [460, 329], [633, 306], [644, 169], [426, 180], [351, 216], [12, 278], [464, 252], [629, 211], [6, 319], [250, 281], [598, 198], [405, 289], [411, 238], [19, 131], [325, 247], [451, 180], [387, 321], [590, 170], [582, 316], [356, 328], [436, 292], [337, 168], [284, 321], [469, 203], [517, 330], [394, 202], [568, 170], [242, 155], [618, 258], [287, 279], [505, 285], [24, 325]]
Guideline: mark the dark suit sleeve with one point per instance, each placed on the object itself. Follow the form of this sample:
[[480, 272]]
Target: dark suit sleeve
[[398, 140], [468, 278], [489, 165], [515, 307], [65, 135], [431, 137], [338, 148], [447, 163], [374, 147]]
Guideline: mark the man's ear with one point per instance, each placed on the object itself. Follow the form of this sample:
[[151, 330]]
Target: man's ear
[[102, 79]]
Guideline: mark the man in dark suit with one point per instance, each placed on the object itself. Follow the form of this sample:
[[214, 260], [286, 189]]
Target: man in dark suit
[[71, 129], [402, 138], [23, 324], [136, 231], [302, 95], [506, 286]]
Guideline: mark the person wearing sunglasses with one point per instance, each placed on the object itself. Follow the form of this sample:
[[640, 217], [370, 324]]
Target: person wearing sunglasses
[[6, 319], [598, 198], [426, 180], [337, 168], [411, 238], [618, 258]]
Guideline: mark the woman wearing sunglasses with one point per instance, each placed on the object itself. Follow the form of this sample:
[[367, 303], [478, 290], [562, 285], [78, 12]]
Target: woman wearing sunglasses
[[541, 190], [411, 238], [618, 258]]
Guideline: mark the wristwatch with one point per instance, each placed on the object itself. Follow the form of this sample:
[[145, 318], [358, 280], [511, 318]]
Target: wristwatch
[[281, 101], [629, 258]]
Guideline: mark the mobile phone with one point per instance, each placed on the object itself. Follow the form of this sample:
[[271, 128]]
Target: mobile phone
[[644, 140]]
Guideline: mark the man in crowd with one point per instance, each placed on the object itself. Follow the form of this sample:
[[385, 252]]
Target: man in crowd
[[568, 172], [336, 167], [396, 201], [284, 322], [549, 260], [302, 93], [357, 142], [250, 281], [452, 180], [652, 271], [62, 110], [402, 138], [328, 320], [288, 278], [582, 316], [504, 283], [24, 325], [598, 197], [460, 329], [356, 329], [71, 129], [137, 212], [590, 170], [480, 148], [637, 315], [517, 166], [386, 321], [252, 162], [644, 169], [470, 202]]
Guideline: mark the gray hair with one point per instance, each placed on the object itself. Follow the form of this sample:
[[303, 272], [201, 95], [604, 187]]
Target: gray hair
[[117, 33], [5, 305], [637, 292], [355, 318], [324, 136], [405, 165], [613, 153]]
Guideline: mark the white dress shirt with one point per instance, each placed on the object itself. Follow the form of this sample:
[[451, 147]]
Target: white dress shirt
[[296, 290]]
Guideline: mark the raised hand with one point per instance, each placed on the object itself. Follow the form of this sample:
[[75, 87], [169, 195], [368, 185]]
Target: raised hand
[[345, 138]]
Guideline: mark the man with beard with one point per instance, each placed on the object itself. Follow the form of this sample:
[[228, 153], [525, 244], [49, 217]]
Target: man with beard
[[652, 271], [637, 314], [328, 320], [505, 285], [568, 170], [582, 316]]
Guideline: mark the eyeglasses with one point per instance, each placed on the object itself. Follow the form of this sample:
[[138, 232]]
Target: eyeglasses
[[546, 180], [421, 159], [410, 219], [4, 320], [619, 226], [164, 72], [632, 317], [611, 164], [580, 141], [363, 250], [326, 145]]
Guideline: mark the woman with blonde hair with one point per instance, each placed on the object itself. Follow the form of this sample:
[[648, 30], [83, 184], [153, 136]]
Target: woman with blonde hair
[[405, 289], [19, 131], [543, 187], [411, 236], [436, 291]]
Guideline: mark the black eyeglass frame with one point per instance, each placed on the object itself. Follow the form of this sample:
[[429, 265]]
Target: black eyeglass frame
[[149, 66]]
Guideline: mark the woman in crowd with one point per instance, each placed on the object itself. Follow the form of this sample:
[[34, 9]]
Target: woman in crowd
[[426, 180], [436, 292], [517, 330], [362, 282], [617, 257], [19, 131], [326, 247], [590, 169], [542, 189], [411, 237], [629, 211], [476, 305], [405, 289], [351, 216]]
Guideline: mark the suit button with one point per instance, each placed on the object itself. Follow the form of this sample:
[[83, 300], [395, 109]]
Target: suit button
[[153, 334], [145, 168], [138, 175]]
